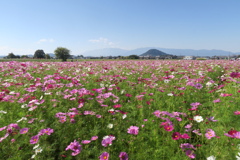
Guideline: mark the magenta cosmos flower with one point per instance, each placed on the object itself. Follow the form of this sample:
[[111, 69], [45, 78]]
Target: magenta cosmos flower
[[237, 112], [123, 156], [104, 156], [168, 128], [176, 136], [34, 139], [133, 130], [75, 147]]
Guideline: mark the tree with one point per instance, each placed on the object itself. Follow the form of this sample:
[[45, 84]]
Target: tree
[[24, 56], [62, 53], [39, 54], [133, 57], [47, 56], [11, 55]]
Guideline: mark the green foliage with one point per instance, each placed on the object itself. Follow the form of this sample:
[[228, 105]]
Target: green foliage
[[133, 57], [11, 55], [24, 56], [39, 54], [62, 53], [47, 56]]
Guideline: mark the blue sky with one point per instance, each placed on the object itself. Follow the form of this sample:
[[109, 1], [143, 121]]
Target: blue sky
[[81, 25]]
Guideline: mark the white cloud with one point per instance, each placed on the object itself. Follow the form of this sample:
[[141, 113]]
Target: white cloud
[[101, 40], [46, 40]]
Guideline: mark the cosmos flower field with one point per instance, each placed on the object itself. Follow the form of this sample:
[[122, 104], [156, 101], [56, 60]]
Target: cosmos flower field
[[136, 110]]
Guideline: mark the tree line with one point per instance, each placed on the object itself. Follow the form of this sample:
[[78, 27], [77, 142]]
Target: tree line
[[60, 53]]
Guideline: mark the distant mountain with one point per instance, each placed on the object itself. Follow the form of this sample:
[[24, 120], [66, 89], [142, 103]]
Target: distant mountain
[[139, 51], [154, 53]]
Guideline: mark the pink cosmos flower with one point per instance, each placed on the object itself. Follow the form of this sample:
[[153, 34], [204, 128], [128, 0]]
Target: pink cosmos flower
[[24, 130], [168, 128], [75, 147], [3, 128], [193, 108], [237, 112], [14, 125], [13, 140], [133, 130], [34, 139], [233, 134], [190, 154], [235, 75], [185, 136], [216, 100], [104, 156], [198, 86], [212, 119], [123, 156], [183, 146], [94, 138], [117, 106], [210, 134], [107, 140], [196, 131], [225, 94], [196, 104], [85, 141], [47, 131], [98, 116]]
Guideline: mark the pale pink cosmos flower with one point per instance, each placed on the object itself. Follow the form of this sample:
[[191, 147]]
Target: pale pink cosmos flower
[[216, 100], [210, 134], [107, 140], [133, 130], [85, 141], [24, 130], [94, 138]]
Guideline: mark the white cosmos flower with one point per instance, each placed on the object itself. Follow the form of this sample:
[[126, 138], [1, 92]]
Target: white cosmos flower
[[38, 150], [166, 81], [33, 156], [124, 116], [238, 156], [170, 94], [23, 118], [110, 126], [24, 106], [198, 119], [209, 84], [36, 146], [4, 112], [211, 158]]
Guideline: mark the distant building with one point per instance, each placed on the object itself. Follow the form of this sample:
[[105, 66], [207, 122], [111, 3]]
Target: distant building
[[189, 58]]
